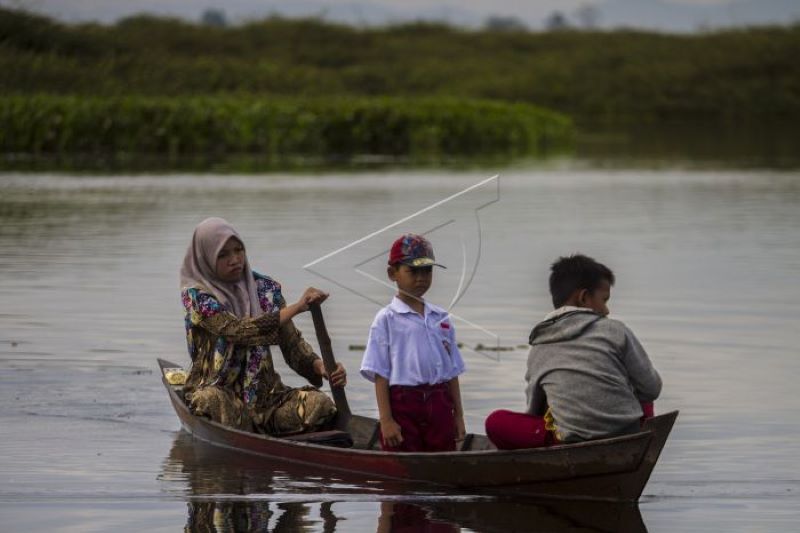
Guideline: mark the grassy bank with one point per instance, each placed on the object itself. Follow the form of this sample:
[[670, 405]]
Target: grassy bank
[[727, 76], [275, 128]]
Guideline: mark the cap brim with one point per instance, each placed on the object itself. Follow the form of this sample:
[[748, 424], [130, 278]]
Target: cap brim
[[422, 262]]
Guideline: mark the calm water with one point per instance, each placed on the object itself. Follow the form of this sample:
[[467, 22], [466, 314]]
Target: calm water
[[706, 262]]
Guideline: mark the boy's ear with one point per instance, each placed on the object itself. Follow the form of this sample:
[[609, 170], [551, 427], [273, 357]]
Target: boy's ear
[[577, 298], [583, 294], [390, 271]]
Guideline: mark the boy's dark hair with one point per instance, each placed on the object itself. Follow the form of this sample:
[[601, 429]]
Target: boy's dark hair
[[576, 272]]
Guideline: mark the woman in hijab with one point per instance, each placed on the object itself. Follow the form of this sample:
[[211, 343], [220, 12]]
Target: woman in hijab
[[233, 315]]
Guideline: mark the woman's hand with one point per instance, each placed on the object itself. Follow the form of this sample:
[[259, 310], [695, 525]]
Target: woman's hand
[[337, 379], [392, 434], [310, 297]]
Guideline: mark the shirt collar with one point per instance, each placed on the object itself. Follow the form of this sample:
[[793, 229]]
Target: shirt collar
[[399, 306]]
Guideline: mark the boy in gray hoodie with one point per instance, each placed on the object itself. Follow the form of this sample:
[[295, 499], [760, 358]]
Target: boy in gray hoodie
[[588, 376]]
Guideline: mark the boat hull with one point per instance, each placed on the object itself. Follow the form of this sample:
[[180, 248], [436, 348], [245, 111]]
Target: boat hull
[[615, 469]]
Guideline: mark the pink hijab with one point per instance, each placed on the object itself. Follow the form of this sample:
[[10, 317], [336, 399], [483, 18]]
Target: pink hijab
[[200, 268]]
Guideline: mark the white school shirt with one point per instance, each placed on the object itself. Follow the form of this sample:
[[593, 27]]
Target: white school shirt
[[409, 349]]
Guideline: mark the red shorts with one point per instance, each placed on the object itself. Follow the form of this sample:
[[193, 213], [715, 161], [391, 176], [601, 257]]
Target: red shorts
[[426, 417]]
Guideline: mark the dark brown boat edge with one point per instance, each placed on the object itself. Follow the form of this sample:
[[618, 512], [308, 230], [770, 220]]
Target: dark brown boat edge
[[564, 472]]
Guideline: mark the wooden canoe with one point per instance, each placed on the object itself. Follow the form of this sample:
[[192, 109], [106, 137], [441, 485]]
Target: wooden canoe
[[615, 469]]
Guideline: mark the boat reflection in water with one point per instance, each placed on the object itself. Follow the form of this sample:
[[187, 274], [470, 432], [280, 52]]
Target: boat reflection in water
[[227, 490]]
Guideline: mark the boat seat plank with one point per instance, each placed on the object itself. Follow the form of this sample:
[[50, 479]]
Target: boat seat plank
[[474, 442], [333, 437]]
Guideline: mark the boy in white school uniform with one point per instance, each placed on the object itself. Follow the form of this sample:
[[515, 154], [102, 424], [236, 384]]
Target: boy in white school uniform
[[413, 359]]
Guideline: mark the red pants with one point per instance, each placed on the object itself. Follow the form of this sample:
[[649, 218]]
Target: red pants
[[426, 418], [511, 431]]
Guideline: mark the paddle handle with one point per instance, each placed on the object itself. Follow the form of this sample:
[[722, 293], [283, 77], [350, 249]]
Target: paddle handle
[[324, 340]]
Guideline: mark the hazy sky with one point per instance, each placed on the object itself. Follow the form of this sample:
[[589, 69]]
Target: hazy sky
[[661, 14]]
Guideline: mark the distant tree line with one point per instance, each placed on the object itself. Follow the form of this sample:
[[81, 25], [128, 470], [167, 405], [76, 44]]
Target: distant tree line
[[611, 76]]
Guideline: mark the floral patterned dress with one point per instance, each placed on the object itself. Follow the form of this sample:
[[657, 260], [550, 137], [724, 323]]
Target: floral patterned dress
[[233, 379]]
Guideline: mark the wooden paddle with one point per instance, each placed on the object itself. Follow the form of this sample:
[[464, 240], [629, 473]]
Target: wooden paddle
[[324, 340]]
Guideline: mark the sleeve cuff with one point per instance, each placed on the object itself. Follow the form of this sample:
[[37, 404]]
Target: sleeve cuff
[[371, 374]]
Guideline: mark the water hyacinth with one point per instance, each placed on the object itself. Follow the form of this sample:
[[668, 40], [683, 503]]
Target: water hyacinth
[[276, 127]]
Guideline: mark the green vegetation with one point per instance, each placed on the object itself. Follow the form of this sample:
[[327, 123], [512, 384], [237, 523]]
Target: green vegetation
[[166, 86], [275, 128]]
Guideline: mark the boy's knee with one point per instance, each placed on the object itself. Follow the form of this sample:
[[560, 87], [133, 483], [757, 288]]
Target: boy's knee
[[497, 421]]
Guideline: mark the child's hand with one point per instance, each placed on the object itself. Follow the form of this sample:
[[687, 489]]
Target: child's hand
[[461, 430], [392, 434]]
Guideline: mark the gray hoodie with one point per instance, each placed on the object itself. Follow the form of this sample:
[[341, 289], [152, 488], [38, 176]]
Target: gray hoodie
[[592, 373]]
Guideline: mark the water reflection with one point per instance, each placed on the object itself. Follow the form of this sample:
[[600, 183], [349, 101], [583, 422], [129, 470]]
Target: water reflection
[[557, 516], [227, 490]]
